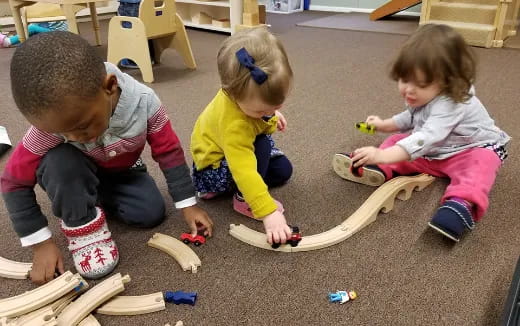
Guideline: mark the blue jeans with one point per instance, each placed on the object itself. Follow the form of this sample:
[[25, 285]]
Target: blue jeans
[[129, 10]]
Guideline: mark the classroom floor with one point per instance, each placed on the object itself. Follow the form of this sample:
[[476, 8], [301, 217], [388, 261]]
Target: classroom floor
[[404, 273]]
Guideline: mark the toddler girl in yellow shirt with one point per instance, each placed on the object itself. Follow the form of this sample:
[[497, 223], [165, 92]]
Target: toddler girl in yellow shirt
[[231, 143]]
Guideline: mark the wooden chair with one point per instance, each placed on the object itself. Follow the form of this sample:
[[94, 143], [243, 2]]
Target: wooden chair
[[161, 24]]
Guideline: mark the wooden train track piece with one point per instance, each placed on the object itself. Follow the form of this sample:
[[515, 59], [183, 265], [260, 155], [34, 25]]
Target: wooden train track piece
[[39, 297], [183, 254], [89, 321], [381, 200], [42, 317], [14, 269], [179, 323], [46, 316], [133, 305], [60, 304], [86, 303]]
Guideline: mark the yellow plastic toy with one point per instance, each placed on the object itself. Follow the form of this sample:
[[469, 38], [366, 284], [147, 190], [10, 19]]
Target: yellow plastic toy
[[366, 128]]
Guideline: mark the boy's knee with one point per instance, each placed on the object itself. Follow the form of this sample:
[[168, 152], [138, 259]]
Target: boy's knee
[[148, 215], [64, 162]]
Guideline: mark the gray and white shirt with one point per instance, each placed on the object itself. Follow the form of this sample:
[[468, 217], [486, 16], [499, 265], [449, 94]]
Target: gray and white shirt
[[443, 128]]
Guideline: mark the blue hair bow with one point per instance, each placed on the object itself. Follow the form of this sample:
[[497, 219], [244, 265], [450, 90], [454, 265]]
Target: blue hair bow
[[258, 75]]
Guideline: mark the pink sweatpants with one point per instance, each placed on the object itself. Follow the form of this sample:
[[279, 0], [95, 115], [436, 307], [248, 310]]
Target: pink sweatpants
[[472, 173]]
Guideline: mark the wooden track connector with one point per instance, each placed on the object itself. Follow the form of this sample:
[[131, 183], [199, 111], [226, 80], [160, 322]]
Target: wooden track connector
[[39, 297], [85, 304], [183, 254], [133, 305], [42, 317], [13, 269], [89, 321], [381, 200]]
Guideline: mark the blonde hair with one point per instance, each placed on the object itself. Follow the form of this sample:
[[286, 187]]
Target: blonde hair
[[443, 56], [269, 55]]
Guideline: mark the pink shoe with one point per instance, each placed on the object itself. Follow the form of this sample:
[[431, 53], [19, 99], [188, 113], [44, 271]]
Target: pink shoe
[[240, 205], [207, 195], [4, 41], [94, 252]]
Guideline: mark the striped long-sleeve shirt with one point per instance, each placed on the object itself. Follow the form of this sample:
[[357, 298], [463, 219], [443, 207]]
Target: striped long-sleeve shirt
[[139, 117]]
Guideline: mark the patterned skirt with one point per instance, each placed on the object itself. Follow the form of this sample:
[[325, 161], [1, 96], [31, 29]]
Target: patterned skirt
[[220, 179]]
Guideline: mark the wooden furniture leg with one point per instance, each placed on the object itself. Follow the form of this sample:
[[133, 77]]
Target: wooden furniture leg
[[71, 18], [17, 17], [181, 43], [95, 22]]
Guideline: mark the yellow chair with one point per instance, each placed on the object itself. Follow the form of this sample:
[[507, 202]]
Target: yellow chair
[[161, 24]]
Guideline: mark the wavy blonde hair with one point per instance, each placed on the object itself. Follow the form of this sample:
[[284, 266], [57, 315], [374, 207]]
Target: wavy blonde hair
[[269, 55], [443, 56]]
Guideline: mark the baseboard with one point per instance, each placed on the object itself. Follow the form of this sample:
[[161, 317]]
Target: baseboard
[[363, 10]]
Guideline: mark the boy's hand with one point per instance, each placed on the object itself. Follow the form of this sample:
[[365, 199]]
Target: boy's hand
[[375, 121], [198, 219], [276, 228], [47, 259], [367, 155], [282, 123]]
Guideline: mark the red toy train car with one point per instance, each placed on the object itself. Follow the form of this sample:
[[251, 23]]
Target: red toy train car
[[197, 240], [295, 238]]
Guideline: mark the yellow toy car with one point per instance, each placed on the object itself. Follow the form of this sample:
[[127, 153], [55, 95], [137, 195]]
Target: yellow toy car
[[366, 128]]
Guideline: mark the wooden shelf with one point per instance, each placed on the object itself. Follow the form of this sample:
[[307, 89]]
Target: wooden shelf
[[220, 9], [219, 3], [207, 26]]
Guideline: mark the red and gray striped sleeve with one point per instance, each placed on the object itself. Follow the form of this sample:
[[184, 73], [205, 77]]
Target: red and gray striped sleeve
[[167, 151], [17, 184]]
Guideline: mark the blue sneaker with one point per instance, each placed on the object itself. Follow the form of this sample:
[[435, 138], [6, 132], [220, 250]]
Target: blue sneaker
[[127, 63], [452, 219]]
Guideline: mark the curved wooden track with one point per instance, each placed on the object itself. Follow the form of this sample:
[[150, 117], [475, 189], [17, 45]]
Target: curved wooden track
[[183, 254], [75, 312], [89, 321], [39, 297], [133, 305], [381, 200], [14, 269]]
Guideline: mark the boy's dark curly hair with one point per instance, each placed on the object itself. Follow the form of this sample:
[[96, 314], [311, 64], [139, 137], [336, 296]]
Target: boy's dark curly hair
[[443, 56], [51, 65]]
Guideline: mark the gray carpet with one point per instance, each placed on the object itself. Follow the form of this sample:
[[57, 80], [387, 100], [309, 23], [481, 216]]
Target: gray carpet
[[360, 22], [404, 273]]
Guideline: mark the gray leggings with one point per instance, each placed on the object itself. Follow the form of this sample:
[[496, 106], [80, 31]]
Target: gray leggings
[[75, 186]]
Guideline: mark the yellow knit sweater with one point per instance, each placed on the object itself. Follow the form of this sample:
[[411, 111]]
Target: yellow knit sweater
[[223, 130]]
